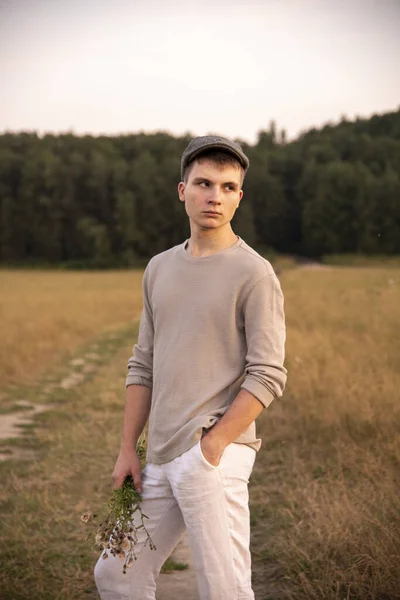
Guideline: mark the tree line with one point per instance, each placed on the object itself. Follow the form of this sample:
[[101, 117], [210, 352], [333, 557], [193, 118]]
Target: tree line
[[109, 201]]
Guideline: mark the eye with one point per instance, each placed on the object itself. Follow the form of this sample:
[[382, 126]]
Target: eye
[[204, 183]]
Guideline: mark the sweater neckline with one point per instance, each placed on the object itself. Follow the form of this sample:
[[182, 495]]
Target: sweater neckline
[[209, 257]]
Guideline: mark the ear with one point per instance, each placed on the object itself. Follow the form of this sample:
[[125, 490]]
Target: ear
[[240, 196], [181, 190]]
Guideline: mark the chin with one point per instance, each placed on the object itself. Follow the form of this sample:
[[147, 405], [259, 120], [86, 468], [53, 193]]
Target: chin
[[212, 225], [208, 227]]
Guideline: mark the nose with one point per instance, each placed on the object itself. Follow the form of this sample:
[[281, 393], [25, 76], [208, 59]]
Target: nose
[[214, 196]]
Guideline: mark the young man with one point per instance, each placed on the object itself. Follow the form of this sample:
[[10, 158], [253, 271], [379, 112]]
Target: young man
[[209, 358]]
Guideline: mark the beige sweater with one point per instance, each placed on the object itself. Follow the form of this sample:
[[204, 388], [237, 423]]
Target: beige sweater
[[210, 326]]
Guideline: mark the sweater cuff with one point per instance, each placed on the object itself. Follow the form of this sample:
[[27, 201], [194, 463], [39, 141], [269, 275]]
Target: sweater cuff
[[258, 390], [138, 380]]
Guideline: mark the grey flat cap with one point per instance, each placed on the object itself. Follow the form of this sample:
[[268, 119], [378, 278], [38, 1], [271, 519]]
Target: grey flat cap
[[212, 142]]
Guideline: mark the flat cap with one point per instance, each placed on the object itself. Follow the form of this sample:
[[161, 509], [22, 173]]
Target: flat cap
[[212, 142]]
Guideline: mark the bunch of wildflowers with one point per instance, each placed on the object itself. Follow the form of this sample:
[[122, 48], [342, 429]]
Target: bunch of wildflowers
[[117, 534]]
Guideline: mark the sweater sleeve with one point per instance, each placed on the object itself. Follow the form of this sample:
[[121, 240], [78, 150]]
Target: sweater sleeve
[[264, 321], [140, 365]]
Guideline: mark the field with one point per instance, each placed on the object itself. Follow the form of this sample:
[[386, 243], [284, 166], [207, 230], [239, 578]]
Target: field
[[46, 316], [325, 496]]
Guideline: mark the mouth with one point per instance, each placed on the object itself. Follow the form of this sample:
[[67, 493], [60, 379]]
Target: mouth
[[211, 213]]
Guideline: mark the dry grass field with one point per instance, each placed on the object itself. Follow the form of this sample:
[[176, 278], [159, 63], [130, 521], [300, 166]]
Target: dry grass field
[[46, 315], [326, 501], [325, 488]]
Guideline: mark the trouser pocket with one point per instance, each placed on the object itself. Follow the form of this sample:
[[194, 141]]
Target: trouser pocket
[[203, 458]]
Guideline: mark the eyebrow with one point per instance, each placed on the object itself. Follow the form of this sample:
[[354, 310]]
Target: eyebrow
[[200, 179]]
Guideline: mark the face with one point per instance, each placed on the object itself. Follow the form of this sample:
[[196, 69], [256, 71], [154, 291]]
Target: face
[[211, 194]]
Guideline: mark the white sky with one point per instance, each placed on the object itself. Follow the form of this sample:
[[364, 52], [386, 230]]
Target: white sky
[[224, 66]]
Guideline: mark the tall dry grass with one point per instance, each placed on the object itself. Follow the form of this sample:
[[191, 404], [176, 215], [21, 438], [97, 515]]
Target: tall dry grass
[[325, 488], [326, 503], [46, 315]]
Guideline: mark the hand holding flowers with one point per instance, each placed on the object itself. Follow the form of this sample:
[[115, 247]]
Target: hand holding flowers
[[117, 534]]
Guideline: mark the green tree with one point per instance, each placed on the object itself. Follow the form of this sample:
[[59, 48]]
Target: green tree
[[330, 216]]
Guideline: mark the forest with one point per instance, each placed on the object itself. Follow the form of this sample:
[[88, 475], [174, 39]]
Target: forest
[[100, 201]]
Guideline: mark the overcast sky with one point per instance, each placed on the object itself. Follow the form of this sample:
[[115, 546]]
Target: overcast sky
[[223, 66]]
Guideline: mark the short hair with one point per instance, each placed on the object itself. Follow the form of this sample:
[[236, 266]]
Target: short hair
[[218, 157]]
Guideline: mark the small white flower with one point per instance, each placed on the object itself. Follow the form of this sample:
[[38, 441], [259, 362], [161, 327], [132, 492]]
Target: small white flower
[[86, 517], [125, 544]]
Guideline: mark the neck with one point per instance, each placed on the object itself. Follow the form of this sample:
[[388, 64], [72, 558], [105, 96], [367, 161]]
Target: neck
[[204, 243]]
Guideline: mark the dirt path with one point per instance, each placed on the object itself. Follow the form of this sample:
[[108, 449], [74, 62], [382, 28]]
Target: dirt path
[[175, 585], [12, 424], [179, 585]]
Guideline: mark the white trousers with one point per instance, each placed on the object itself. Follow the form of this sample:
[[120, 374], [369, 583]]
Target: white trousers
[[212, 504]]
